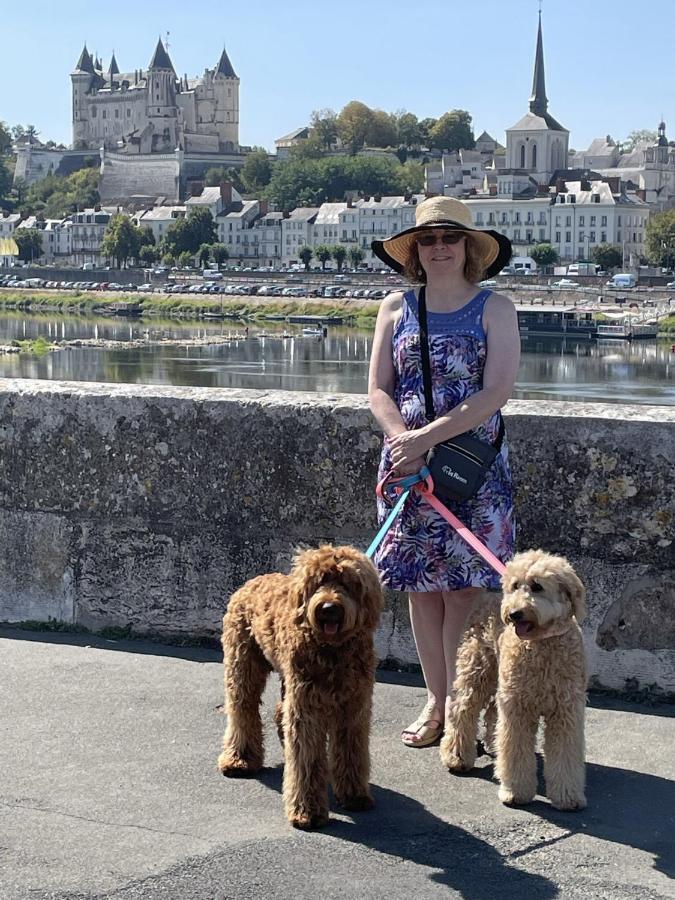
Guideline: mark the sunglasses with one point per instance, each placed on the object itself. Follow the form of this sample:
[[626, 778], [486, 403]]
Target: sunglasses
[[448, 237]]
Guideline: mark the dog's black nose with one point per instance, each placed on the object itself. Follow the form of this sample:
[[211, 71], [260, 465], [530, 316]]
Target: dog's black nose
[[516, 615], [331, 612]]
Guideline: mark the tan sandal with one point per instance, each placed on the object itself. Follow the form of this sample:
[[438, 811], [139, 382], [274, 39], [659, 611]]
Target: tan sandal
[[433, 726]]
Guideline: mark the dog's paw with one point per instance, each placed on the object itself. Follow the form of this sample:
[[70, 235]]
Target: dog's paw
[[358, 803], [512, 798], [453, 760], [308, 821], [569, 801], [235, 767]]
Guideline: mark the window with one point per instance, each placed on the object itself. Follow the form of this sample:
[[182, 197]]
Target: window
[[528, 235], [581, 221], [557, 221], [593, 218], [93, 112], [603, 220], [479, 218], [592, 237], [542, 234], [568, 236], [557, 237], [103, 114], [516, 234], [582, 237], [603, 236], [534, 156], [128, 113], [516, 218], [522, 157], [568, 221], [530, 220], [618, 221], [117, 113]]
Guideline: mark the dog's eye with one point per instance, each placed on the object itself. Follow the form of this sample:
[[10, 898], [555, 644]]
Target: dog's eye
[[515, 586], [535, 587]]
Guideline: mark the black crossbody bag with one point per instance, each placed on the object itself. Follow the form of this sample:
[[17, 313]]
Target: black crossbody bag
[[460, 465]]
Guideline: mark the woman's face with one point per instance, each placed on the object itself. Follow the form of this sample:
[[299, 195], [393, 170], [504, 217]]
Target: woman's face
[[442, 252]]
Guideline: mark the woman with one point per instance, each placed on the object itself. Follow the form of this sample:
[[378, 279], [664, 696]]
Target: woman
[[474, 350]]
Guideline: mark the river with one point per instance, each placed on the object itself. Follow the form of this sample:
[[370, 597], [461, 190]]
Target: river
[[551, 368]]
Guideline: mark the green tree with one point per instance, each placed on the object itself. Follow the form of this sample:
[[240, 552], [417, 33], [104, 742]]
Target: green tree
[[5, 179], [544, 255], [660, 239], [29, 242], [354, 123], [339, 254], [147, 237], [188, 234], [58, 196], [204, 254], [217, 174], [323, 253], [148, 255], [5, 139], [220, 253], [185, 259], [256, 171], [408, 130], [607, 256], [638, 136], [382, 131], [325, 127], [304, 255], [121, 240], [356, 255], [453, 131], [426, 126], [168, 259]]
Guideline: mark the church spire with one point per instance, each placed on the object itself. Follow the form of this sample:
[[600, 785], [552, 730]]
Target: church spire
[[114, 68], [161, 59], [538, 100]]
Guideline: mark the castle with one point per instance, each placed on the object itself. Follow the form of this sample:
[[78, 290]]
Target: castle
[[154, 111]]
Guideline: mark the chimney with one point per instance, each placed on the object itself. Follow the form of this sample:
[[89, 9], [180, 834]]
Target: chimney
[[614, 183], [264, 207], [560, 186], [642, 194], [350, 202], [226, 192], [377, 198], [585, 184]]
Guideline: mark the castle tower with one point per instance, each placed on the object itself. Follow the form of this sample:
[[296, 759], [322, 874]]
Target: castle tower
[[162, 109], [226, 115], [537, 143], [81, 78]]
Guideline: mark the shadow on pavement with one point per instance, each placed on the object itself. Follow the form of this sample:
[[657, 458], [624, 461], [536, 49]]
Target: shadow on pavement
[[402, 827]]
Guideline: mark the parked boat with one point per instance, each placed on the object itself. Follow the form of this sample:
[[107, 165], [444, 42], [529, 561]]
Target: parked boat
[[558, 320], [313, 332], [627, 331], [126, 309]]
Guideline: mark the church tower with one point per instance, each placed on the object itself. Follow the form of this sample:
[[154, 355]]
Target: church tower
[[537, 143]]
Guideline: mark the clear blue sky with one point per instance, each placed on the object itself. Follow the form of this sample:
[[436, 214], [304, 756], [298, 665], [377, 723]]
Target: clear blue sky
[[608, 62]]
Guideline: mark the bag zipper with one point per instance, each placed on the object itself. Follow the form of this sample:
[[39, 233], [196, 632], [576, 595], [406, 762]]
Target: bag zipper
[[466, 453]]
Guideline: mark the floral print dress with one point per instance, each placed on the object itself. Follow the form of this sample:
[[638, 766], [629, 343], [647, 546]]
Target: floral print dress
[[421, 552]]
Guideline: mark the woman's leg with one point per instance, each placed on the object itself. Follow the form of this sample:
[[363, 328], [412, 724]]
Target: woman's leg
[[426, 618]]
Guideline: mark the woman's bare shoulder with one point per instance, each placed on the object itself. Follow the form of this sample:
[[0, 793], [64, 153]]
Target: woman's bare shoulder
[[392, 304], [500, 301]]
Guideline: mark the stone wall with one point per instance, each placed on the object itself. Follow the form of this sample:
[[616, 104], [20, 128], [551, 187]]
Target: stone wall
[[146, 506]]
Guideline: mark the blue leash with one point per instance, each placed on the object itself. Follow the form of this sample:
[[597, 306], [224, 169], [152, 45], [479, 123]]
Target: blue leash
[[405, 485]]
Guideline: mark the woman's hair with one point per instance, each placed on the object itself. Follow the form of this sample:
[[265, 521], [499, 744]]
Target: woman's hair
[[474, 269]]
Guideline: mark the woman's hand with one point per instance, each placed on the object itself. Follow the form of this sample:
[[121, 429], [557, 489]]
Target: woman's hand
[[408, 451]]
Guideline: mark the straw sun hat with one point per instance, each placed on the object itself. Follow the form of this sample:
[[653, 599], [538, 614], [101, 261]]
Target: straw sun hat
[[446, 213]]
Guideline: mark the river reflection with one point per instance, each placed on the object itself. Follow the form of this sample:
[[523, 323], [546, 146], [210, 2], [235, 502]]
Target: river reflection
[[551, 368]]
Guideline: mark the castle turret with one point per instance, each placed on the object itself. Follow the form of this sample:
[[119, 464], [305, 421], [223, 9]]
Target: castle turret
[[226, 114], [81, 79], [161, 103]]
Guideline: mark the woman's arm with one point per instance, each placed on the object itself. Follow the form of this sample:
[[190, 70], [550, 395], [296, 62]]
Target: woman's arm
[[500, 321], [381, 372]]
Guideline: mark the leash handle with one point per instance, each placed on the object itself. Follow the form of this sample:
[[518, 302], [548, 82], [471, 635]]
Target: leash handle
[[377, 540], [392, 485]]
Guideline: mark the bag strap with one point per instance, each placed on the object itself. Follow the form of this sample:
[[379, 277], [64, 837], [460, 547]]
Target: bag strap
[[426, 369], [424, 350]]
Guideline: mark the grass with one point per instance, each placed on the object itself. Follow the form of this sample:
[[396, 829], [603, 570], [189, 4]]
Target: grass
[[37, 347]]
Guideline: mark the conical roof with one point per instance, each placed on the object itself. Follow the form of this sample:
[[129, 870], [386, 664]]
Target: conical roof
[[160, 59], [225, 66], [85, 63], [114, 68], [538, 100]]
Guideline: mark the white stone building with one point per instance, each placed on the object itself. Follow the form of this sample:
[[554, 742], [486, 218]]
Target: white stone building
[[296, 232], [154, 111], [56, 237], [268, 232], [237, 231], [159, 218], [8, 222], [87, 230]]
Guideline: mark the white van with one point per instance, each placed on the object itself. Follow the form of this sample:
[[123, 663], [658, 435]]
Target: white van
[[213, 274], [523, 264], [622, 280]]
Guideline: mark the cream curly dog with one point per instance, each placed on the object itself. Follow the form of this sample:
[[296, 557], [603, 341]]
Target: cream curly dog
[[530, 655], [314, 627]]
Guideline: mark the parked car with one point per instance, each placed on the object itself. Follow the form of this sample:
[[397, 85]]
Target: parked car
[[565, 283]]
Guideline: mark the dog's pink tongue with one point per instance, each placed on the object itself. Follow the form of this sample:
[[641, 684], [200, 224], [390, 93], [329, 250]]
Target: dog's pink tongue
[[523, 628], [330, 628]]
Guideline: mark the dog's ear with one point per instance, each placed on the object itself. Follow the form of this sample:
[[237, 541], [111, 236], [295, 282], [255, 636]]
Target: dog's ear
[[373, 595], [572, 585], [305, 577]]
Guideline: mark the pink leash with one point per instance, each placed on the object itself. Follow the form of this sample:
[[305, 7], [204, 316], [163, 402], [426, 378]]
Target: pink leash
[[425, 485]]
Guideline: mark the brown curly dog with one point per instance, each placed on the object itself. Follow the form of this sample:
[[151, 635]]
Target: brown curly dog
[[530, 654], [315, 628]]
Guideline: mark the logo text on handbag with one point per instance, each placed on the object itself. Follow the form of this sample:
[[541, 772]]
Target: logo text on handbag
[[452, 474]]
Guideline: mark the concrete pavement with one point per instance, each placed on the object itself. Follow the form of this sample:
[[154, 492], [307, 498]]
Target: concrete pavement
[[109, 789]]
